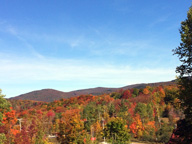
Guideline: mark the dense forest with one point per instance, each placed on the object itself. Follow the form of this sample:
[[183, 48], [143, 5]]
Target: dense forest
[[148, 114]]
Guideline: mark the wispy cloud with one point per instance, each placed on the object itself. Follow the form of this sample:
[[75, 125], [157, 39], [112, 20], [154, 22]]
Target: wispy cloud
[[12, 30], [17, 34], [95, 42], [160, 20], [13, 71]]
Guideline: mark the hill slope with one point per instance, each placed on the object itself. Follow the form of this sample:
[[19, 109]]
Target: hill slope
[[49, 95]]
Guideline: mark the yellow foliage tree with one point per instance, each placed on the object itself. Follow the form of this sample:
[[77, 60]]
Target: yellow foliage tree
[[145, 91]]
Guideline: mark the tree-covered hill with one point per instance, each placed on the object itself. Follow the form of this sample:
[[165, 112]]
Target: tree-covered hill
[[49, 95], [147, 114]]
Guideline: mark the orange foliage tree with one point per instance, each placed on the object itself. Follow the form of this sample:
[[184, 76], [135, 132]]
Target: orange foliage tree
[[71, 128]]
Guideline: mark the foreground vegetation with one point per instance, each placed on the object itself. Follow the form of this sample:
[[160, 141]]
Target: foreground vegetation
[[148, 114]]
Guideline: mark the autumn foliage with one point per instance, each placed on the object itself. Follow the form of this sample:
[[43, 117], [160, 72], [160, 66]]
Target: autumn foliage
[[136, 113]]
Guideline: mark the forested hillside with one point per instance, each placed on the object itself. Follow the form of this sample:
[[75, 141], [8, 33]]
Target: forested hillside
[[49, 95], [147, 114]]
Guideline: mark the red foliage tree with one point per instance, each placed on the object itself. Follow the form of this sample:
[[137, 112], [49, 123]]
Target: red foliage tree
[[126, 94]]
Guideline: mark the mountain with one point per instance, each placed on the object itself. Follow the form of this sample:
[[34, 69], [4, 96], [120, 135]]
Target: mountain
[[49, 95]]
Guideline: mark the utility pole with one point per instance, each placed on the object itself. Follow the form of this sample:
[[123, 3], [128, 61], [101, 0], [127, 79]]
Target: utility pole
[[103, 125], [20, 120], [92, 131], [92, 134], [99, 116]]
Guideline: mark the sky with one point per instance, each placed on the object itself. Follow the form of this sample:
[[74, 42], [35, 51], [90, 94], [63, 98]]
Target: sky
[[76, 44]]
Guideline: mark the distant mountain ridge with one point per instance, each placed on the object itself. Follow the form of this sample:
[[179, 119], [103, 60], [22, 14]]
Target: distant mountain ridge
[[49, 95]]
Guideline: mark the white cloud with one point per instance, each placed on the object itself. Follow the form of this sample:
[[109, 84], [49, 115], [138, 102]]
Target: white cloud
[[31, 70]]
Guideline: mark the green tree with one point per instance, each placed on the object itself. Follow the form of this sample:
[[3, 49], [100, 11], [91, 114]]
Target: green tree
[[164, 133], [184, 52], [111, 108], [4, 107], [116, 95], [123, 107], [116, 131], [90, 113], [135, 92], [2, 138], [141, 109], [150, 112], [39, 137], [170, 95], [123, 111]]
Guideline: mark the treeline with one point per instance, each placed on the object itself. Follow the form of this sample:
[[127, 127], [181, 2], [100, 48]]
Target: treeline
[[148, 114]]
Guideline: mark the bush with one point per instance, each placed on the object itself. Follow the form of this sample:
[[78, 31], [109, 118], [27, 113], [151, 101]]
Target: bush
[[164, 133]]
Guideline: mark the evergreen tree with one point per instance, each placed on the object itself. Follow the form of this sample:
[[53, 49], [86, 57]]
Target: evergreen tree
[[141, 109], [184, 52], [116, 131]]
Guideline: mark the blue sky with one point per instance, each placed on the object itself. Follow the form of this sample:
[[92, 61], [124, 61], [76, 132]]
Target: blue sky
[[76, 44]]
